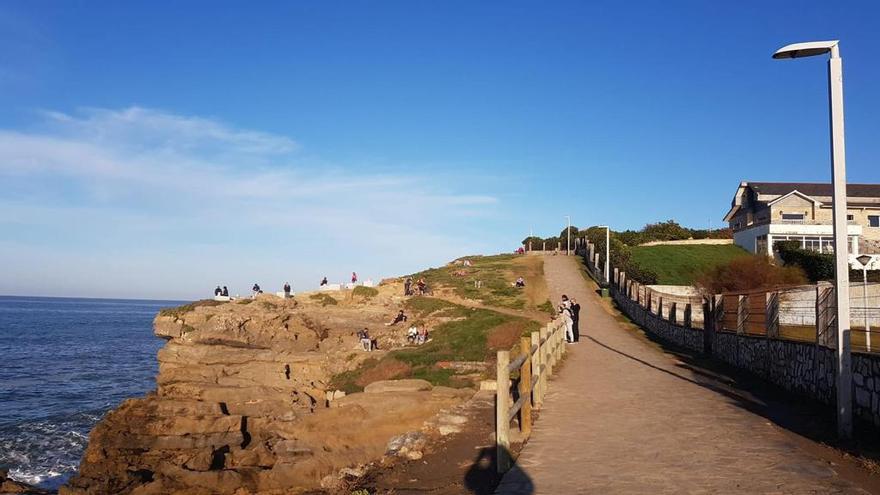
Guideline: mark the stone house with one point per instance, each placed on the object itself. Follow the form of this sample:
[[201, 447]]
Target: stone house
[[763, 213]]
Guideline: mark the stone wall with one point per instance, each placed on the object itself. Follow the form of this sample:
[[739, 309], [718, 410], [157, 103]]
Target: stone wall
[[800, 367], [686, 337]]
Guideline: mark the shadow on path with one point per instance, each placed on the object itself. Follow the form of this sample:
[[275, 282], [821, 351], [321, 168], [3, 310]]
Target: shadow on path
[[482, 477]]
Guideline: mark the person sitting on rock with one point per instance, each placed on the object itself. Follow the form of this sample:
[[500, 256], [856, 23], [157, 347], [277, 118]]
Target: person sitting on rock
[[286, 289], [423, 336], [412, 334], [401, 317], [257, 290], [323, 281], [225, 292], [520, 282], [217, 291], [368, 343]]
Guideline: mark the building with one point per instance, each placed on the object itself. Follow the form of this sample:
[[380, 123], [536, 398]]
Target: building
[[763, 213]]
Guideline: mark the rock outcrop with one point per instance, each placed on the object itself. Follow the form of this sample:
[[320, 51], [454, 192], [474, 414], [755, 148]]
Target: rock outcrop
[[243, 403]]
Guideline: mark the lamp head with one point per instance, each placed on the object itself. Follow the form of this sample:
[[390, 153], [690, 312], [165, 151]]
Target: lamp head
[[864, 259], [808, 49]]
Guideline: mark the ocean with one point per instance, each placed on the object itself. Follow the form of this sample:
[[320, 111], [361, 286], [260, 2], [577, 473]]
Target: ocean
[[64, 363]]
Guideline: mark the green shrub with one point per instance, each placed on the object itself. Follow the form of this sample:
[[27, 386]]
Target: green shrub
[[817, 266], [366, 292], [324, 299]]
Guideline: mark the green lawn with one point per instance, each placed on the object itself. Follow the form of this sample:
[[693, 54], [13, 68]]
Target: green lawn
[[680, 265]]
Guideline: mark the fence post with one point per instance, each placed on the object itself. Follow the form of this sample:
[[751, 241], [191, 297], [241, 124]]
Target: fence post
[[688, 316], [649, 295], [772, 317], [544, 246], [537, 397], [525, 386], [742, 313], [548, 349], [660, 307], [502, 406], [672, 312]]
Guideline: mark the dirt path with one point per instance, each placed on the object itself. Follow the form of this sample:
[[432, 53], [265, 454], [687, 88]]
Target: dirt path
[[625, 417]]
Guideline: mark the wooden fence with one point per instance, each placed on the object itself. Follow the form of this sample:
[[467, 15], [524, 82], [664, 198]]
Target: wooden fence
[[537, 358]]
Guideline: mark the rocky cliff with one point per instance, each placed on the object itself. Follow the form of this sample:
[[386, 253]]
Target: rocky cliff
[[243, 405]]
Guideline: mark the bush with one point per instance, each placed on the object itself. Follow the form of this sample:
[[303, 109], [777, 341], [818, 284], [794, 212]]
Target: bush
[[749, 273], [366, 292], [817, 266]]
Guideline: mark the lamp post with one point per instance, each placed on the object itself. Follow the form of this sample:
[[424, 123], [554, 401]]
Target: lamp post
[[841, 251], [607, 269], [865, 260], [568, 231]]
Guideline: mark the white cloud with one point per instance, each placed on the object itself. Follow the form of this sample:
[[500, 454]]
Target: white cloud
[[138, 184]]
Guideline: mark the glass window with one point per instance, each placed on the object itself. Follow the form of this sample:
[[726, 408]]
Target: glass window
[[792, 216], [874, 220], [761, 244], [812, 243], [827, 244]]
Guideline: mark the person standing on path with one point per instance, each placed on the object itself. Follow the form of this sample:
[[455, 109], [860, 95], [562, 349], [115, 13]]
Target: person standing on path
[[565, 314], [575, 318], [354, 277]]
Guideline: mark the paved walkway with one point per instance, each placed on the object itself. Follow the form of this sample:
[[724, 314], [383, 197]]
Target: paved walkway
[[621, 417]]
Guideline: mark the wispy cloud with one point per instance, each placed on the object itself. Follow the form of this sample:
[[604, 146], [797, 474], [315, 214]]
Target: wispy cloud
[[104, 179]]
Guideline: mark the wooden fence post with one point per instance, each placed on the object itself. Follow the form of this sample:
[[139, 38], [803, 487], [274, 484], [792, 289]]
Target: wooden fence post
[[673, 310], [525, 386], [502, 426], [548, 349], [537, 396]]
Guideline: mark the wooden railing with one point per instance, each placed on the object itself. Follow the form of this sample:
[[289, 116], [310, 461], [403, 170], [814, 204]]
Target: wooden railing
[[537, 358]]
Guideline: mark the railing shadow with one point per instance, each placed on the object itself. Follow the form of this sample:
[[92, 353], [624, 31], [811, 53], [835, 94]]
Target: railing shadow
[[482, 478]]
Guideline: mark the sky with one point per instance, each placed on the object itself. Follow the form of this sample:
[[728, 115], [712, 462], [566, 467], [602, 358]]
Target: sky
[[158, 149]]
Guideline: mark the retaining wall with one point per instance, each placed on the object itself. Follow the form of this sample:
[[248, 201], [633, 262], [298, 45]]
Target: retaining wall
[[800, 367]]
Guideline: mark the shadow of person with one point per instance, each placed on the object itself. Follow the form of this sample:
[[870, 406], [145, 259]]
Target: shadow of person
[[483, 478]]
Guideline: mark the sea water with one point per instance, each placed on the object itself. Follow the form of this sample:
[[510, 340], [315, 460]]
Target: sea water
[[64, 363]]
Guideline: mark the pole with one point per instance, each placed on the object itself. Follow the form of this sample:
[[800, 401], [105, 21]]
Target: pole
[[607, 251], [841, 251], [568, 231], [865, 296]]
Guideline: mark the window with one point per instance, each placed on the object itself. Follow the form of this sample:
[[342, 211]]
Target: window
[[812, 243], [793, 216], [850, 217], [761, 244], [874, 220]]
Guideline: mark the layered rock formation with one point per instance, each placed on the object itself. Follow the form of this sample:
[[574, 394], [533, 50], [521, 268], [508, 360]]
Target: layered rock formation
[[241, 404]]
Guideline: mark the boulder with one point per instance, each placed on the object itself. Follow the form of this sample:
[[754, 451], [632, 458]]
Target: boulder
[[407, 385]]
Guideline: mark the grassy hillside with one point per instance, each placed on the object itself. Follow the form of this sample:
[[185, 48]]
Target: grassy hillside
[[679, 265], [497, 274]]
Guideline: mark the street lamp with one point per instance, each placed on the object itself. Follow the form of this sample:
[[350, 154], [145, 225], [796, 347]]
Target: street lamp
[[607, 269], [841, 251], [568, 231], [865, 260]]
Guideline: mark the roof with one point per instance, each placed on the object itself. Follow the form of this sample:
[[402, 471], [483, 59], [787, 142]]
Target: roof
[[814, 189]]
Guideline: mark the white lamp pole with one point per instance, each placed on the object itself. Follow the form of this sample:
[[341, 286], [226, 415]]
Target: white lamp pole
[[841, 251], [568, 231], [865, 260], [606, 271]]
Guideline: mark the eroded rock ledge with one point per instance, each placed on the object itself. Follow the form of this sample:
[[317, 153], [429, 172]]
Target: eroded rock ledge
[[241, 404]]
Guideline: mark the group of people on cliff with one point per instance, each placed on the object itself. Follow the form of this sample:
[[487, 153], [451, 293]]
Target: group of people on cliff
[[570, 311], [421, 287], [221, 292]]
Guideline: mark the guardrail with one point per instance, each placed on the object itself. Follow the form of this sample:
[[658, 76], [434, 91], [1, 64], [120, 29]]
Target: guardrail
[[538, 356]]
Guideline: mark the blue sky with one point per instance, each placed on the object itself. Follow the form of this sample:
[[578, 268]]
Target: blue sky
[[156, 149]]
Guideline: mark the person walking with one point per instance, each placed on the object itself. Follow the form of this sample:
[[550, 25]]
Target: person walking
[[575, 319], [565, 314]]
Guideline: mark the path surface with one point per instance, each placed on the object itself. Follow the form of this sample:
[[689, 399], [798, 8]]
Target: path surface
[[621, 417]]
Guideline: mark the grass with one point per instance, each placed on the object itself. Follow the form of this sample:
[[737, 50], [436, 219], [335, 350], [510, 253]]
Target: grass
[[680, 265], [324, 299], [366, 292], [466, 337], [497, 274], [179, 311]]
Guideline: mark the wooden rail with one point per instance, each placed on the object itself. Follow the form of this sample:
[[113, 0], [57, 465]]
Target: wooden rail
[[535, 361]]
